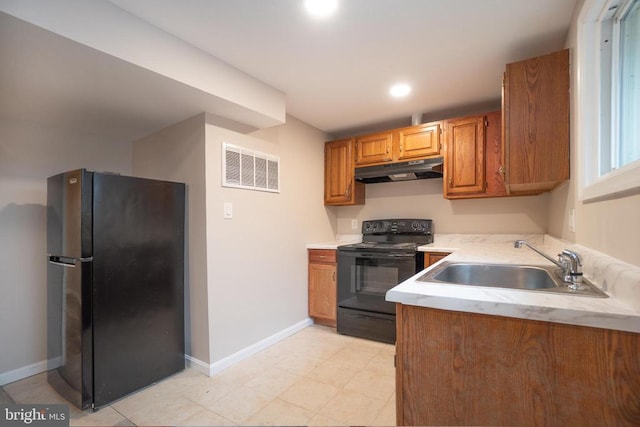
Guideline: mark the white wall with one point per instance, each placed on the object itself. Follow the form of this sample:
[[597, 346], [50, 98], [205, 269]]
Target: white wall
[[29, 153], [610, 226], [257, 261], [247, 276], [177, 154], [424, 199]]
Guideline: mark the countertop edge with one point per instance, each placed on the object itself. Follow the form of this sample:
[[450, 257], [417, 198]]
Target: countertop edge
[[620, 322], [345, 239], [618, 312]]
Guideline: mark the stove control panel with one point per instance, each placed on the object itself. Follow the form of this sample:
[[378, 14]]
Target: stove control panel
[[397, 226]]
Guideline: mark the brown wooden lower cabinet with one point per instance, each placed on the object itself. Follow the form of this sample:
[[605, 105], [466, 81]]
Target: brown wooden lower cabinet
[[431, 258], [457, 368], [322, 286]]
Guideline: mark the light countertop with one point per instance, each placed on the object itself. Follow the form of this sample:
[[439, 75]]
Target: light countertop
[[620, 281], [344, 239]]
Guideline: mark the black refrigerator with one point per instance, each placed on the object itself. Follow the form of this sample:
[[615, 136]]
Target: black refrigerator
[[115, 284]]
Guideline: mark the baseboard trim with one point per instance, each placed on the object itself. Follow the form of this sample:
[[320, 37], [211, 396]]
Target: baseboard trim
[[224, 363], [197, 365], [29, 370], [236, 357], [192, 362]]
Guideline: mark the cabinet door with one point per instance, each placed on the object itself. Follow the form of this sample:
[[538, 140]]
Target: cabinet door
[[340, 187], [419, 141], [322, 293], [536, 123], [464, 170], [431, 258], [375, 148]]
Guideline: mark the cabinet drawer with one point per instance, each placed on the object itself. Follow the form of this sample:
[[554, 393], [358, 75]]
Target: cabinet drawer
[[322, 255]]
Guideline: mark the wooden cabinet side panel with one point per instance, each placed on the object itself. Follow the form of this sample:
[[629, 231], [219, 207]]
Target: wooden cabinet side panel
[[537, 106], [400, 368], [494, 155], [464, 368]]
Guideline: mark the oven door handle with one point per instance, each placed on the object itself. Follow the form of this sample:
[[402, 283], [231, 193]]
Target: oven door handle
[[386, 255]]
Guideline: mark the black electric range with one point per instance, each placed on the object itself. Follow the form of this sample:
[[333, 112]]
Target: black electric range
[[366, 271]]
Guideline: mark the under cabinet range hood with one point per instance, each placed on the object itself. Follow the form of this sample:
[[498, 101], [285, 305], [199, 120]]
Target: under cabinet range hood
[[403, 171]]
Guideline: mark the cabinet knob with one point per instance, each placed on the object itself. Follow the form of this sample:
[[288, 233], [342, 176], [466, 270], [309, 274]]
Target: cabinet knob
[[348, 192], [334, 276]]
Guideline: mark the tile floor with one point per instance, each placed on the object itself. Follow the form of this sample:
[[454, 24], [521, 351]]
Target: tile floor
[[314, 377]]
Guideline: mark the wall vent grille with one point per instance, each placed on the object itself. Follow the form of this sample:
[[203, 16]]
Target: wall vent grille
[[248, 169]]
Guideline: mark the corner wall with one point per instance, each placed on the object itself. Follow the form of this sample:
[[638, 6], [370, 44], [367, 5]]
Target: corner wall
[[257, 261], [177, 153], [610, 226], [30, 152]]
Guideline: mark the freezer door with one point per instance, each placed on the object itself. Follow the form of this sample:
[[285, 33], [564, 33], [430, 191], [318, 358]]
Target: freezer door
[[69, 198], [138, 283]]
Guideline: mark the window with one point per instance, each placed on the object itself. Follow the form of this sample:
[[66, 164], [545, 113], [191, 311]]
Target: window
[[629, 147], [608, 101]]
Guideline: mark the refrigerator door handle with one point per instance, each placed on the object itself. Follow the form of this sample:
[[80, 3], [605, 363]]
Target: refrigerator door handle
[[66, 261]]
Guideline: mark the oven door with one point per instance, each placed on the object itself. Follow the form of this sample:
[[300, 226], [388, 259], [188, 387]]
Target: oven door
[[364, 277]]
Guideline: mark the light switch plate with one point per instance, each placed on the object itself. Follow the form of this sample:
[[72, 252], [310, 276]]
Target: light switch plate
[[228, 210], [354, 224]]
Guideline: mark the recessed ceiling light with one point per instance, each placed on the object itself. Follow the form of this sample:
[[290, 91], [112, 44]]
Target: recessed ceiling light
[[400, 90], [321, 8]]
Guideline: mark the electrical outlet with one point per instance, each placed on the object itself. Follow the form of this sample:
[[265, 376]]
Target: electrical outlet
[[572, 220], [228, 210], [354, 224]]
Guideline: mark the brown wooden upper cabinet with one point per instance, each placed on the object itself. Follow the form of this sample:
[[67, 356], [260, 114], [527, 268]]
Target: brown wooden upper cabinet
[[376, 148], [473, 157], [464, 170], [413, 142], [340, 186], [536, 123], [419, 141]]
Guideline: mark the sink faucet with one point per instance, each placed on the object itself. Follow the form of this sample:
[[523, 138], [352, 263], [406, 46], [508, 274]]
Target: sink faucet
[[570, 264]]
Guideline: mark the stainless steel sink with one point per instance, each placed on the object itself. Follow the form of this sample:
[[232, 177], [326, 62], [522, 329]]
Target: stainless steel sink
[[510, 276]]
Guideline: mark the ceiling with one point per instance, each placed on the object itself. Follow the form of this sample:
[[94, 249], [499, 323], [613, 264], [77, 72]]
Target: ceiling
[[335, 72]]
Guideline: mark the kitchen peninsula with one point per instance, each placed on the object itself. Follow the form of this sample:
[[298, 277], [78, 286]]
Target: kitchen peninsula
[[478, 355]]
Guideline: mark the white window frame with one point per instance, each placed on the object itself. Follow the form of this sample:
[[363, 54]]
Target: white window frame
[[589, 105]]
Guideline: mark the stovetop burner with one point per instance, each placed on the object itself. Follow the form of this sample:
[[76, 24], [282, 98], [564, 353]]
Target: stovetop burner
[[394, 234]]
